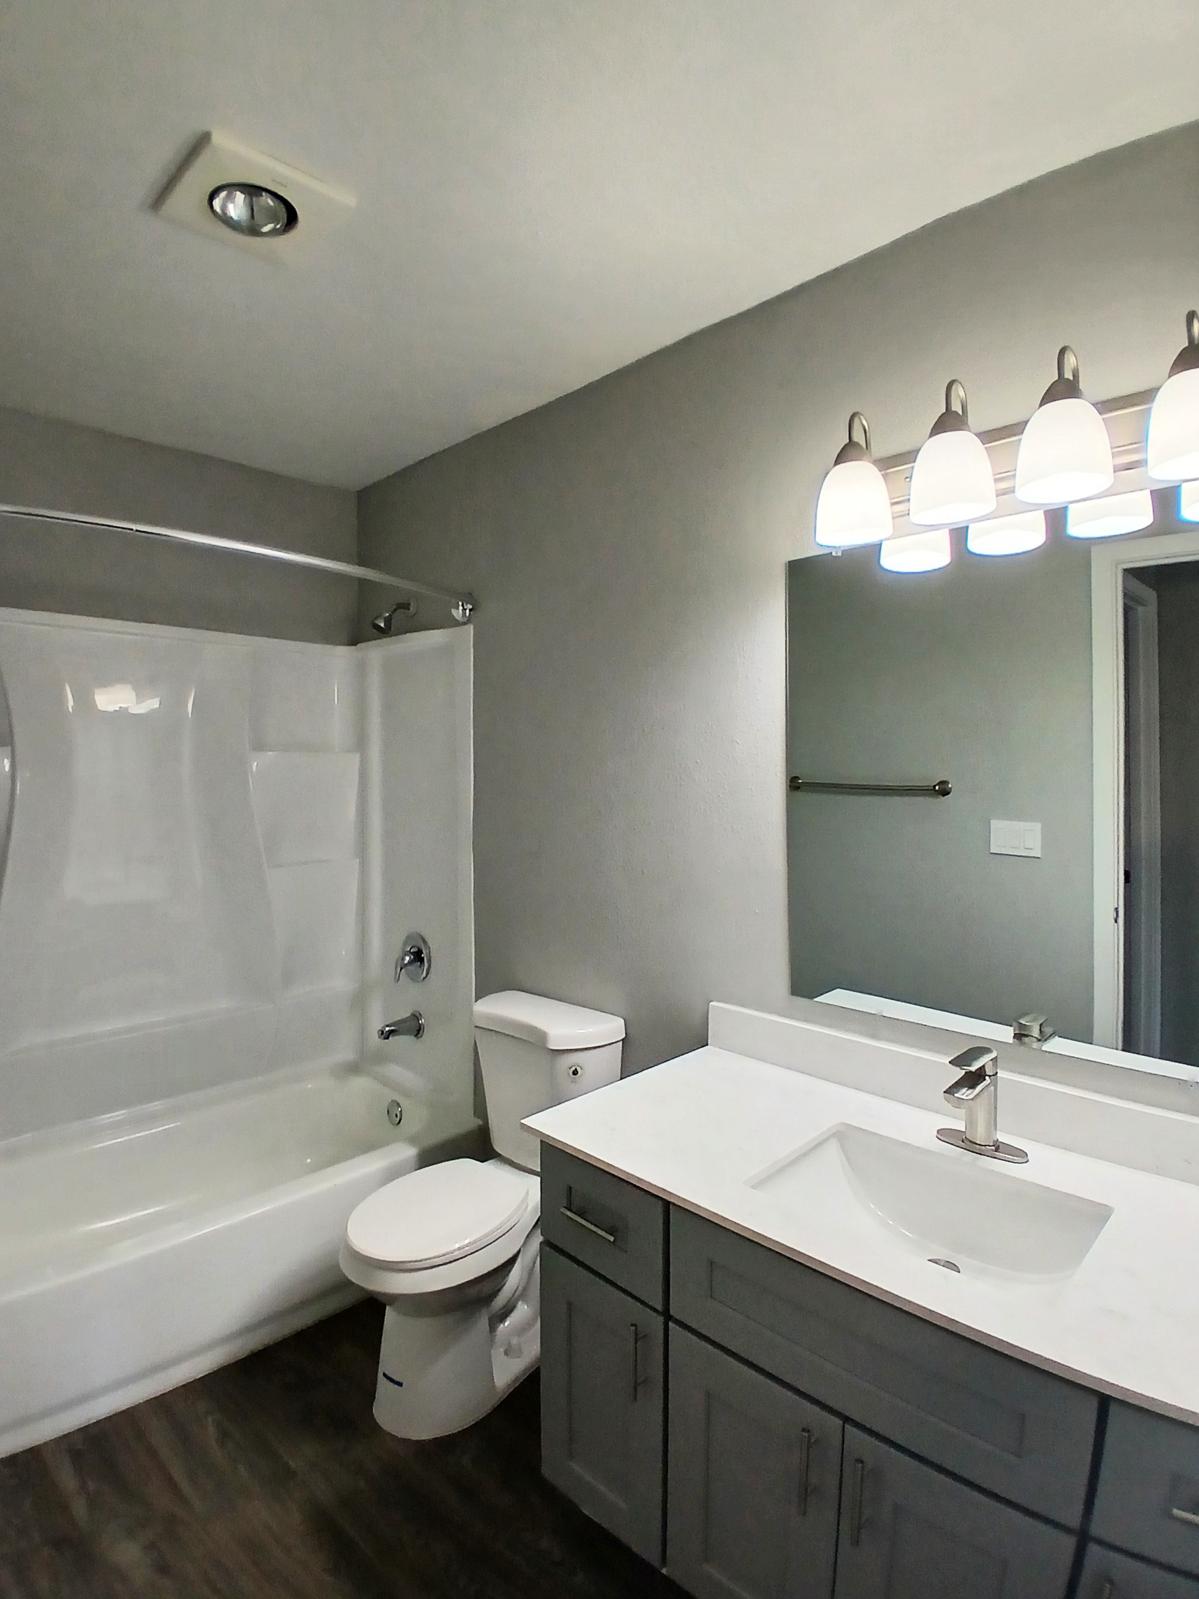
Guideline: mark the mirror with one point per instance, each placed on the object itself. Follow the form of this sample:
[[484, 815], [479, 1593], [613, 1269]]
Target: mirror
[[1057, 692]]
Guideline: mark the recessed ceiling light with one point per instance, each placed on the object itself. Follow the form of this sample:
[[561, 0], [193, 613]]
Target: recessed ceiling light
[[252, 210]]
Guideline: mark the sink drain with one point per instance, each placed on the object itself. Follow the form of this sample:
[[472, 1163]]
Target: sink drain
[[949, 1265]]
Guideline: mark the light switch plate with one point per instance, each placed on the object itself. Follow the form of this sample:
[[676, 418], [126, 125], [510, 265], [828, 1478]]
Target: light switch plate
[[1016, 838]]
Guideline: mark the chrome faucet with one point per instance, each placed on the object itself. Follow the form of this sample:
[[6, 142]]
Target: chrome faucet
[[976, 1092], [410, 1026], [1033, 1030]]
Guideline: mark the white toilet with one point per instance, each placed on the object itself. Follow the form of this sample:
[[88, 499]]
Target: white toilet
[[452, 1250]]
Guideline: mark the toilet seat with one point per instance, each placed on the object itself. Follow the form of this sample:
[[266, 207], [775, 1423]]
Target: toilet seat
[[440, 1227]]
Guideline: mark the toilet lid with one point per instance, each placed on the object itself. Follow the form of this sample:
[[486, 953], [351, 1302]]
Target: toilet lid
[[437, 1214]]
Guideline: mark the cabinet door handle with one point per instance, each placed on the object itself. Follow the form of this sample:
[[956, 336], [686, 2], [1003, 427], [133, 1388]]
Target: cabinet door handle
[[591, 1226], [805, 1468], [856, 1495], [1108, 1590], [1189, 1516], [635, 1352]]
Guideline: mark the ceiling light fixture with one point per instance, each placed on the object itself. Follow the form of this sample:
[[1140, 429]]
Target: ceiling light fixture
[[952, 480], [1172, 451], [1188, 502], [1109, 517], [1065, 453], [917, 552], [1007, 535], [253, 211], [854, 507]]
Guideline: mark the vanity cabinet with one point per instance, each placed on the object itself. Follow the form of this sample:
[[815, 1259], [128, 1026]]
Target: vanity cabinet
[[602, 1401], [763, 1431]]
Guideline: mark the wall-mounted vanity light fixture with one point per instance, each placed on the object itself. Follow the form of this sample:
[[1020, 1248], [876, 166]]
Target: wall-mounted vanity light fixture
[[1065, 453], [854, 507], [1069, 454], [952, 482]]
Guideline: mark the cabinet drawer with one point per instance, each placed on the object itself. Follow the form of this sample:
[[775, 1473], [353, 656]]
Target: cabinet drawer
[[909, 1532], [1108, 1575], [603, 1398], [1014, 1430], [1148, 1497], [616, 1229]]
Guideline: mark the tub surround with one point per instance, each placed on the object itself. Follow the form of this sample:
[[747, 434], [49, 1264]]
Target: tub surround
[[698, 1131]]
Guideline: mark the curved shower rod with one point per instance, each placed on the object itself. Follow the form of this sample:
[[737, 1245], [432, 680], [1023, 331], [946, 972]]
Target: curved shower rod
[[461, 605]]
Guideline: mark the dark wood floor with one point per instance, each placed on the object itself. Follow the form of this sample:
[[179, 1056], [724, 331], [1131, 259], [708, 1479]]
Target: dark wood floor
[[269, 1478]]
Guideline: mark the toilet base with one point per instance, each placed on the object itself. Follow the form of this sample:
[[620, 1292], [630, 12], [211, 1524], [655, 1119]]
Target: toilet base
[[444, 1368]]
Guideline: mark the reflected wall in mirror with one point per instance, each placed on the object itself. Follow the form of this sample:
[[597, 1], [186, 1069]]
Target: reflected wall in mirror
[[1058, 692]]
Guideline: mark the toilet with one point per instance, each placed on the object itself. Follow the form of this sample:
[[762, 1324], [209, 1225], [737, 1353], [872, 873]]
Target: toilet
[[452, 1249]]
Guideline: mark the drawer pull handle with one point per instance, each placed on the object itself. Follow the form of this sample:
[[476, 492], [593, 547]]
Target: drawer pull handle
[[856, 1487], [591, 1226], [1189, 1516], [1109, 1590], [805, 1468], [636, 1361]]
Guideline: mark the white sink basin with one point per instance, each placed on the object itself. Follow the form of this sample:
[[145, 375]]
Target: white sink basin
[[951, 1208]]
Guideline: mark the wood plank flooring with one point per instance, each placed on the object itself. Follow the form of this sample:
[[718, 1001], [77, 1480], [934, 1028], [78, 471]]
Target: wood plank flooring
[[269, 1480]]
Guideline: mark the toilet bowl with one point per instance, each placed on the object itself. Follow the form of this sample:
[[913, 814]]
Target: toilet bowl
[[452, 1250]]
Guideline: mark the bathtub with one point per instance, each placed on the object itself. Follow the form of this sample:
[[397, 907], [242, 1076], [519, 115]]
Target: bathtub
[[141, 1249]]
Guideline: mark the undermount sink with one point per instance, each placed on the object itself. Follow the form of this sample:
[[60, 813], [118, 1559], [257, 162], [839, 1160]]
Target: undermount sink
[[953, 1210]]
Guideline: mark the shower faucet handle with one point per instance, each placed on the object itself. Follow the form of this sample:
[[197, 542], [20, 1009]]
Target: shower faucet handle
[[414, 958]]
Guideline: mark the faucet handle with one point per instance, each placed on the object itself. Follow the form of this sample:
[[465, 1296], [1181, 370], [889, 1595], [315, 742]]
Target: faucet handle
[[978, 1058]]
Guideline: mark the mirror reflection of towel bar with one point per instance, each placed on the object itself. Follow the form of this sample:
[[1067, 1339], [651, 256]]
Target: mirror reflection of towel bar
[[941, 789]]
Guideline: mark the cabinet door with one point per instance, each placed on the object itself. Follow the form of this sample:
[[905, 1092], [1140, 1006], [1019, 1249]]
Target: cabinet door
[[1108, 1575], [908, 1532], [602, 1401], [754, 1479]]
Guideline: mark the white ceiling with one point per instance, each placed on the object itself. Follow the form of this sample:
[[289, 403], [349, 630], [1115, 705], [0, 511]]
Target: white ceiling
[[547, 189]]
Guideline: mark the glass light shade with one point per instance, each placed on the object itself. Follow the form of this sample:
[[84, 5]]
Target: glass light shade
[[1172, 452], [1007, 535], [853, 508], [951, 481], [1188, 502], [1109, 517], [917, 552], [1065, 454]]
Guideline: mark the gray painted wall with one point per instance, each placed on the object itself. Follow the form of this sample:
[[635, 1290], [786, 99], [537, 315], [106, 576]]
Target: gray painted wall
[[1178, 695], [628, 546], [94, 573], [980, 673]]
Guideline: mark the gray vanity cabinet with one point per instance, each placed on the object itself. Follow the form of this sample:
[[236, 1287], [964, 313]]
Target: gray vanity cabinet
[[602, 1401], [907, 1531], [754, 1473], [1148, 1496]]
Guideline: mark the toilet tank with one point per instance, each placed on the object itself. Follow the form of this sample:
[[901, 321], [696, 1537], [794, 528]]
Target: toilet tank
[[534, 1053]]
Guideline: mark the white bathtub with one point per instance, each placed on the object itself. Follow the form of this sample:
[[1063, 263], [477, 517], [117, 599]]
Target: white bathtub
[[141, 1249]]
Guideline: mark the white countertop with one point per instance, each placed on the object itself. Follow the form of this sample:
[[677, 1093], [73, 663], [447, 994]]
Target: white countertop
[[696, 1129]]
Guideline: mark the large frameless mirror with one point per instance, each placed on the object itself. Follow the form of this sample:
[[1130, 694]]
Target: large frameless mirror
[[993, 770]]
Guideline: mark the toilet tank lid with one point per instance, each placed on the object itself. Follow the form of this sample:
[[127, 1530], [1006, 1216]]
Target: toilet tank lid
[[547, 1022]]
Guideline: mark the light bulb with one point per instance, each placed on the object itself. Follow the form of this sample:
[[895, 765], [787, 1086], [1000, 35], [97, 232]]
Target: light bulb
[[854, 507], [952, 479], [1172, 449], [917, 552], [1110, 516], [1007, 535], [1065, 453]]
